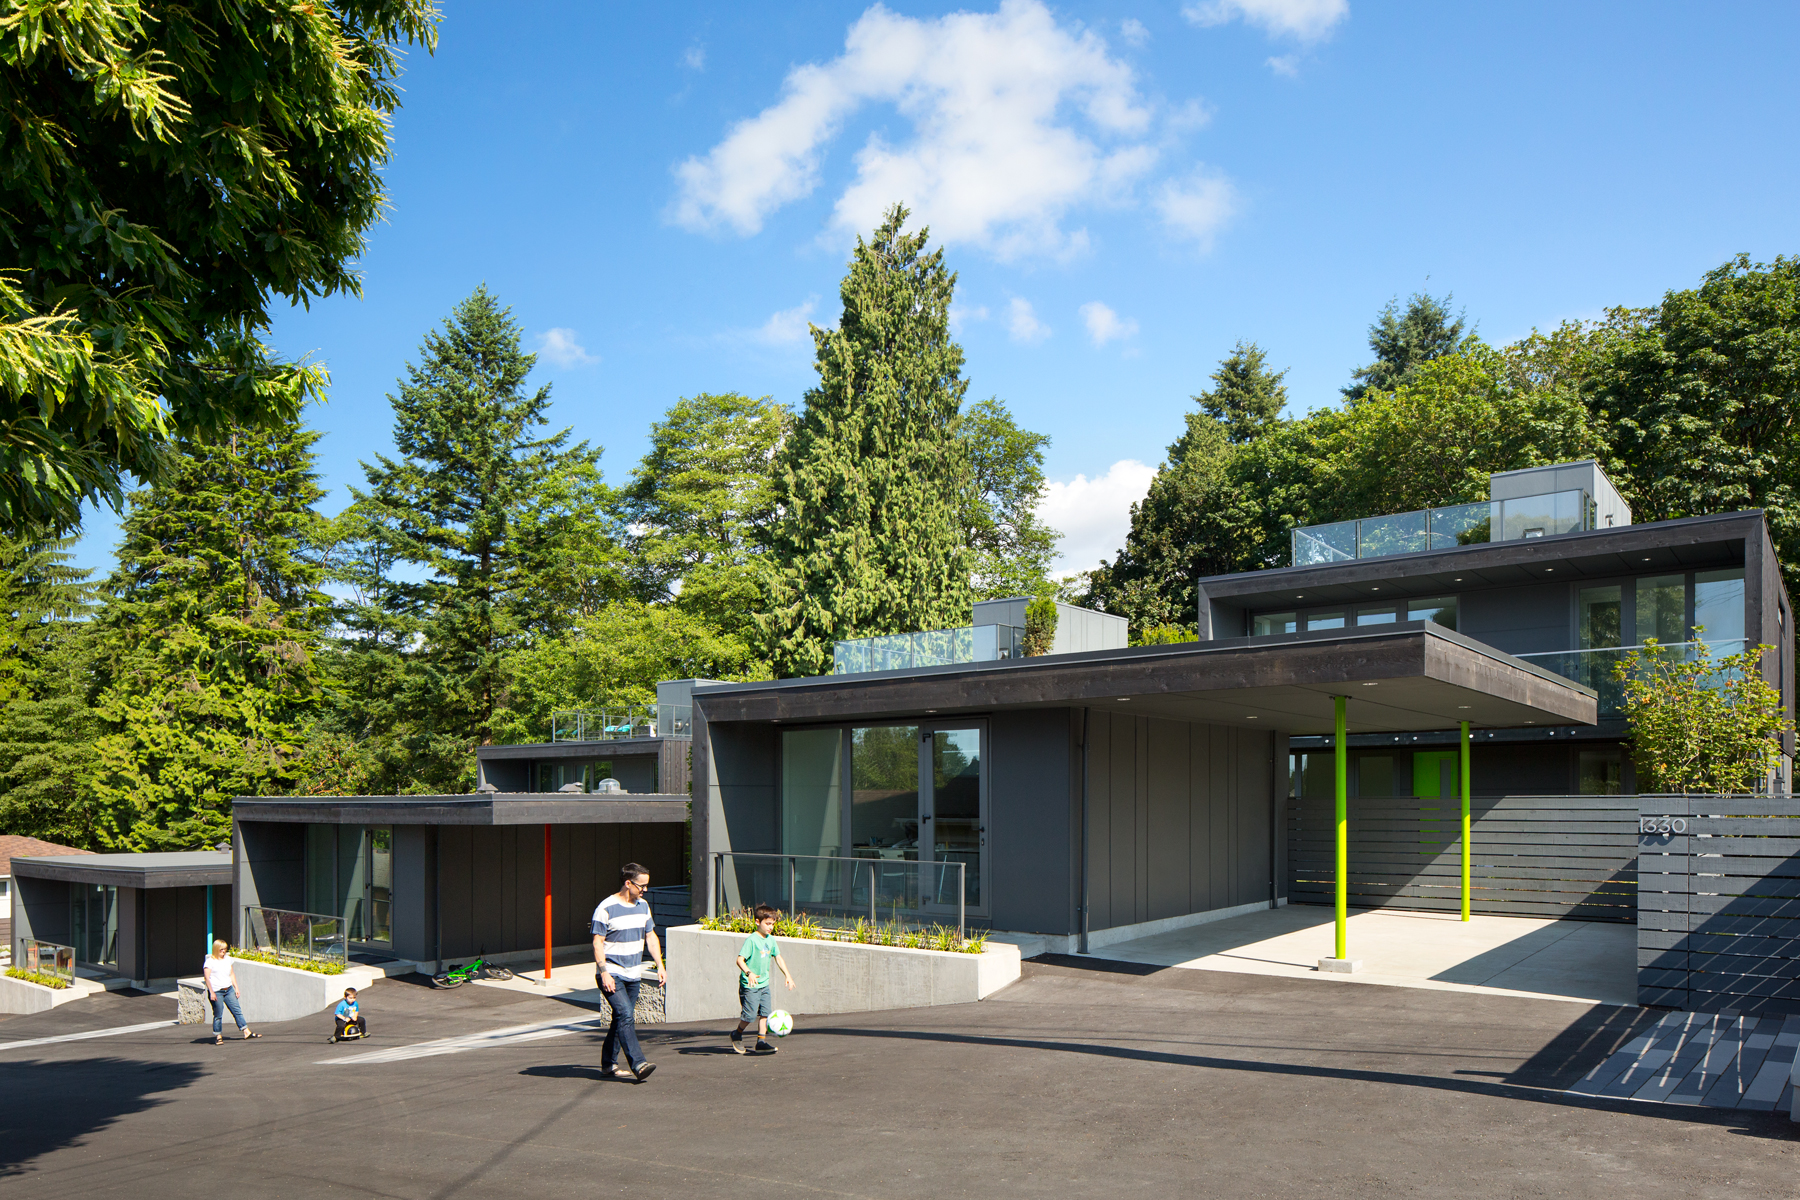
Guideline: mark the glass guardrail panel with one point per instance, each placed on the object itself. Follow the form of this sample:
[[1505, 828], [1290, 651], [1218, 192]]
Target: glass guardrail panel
[[1324, 543], [1400, 533], [1458, 525], [1543, 516]]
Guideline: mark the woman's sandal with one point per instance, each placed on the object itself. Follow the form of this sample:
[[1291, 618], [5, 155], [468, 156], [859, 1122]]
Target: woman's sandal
[[248, 1035], [218, 1039]]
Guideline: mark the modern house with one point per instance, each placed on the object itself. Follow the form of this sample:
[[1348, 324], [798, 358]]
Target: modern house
[[1551, 571], [643, 748], [17, 846]]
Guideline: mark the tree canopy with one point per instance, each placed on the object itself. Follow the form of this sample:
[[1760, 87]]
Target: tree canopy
[[1404, 341], [165, 169]]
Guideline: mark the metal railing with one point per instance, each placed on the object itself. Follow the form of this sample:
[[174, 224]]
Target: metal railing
[[50, 958], [927, 648], [296, 934], [842, 888], [1596, 668], [616, 724]]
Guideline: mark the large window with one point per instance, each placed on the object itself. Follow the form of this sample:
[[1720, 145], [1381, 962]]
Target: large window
[[350, 874], [1599, 619], [1441, 609], [94, 923], [812, 792], [1662, 609], [1719, 603], [884, 809]]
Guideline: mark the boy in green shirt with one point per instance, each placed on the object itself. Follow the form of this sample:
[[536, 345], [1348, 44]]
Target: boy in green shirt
[[757, 952]]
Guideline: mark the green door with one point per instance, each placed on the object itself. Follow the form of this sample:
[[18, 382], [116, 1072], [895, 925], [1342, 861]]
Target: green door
[[1434, 774]]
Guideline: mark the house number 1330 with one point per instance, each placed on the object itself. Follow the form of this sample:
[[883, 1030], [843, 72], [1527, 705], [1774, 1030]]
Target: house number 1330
[[1662, 824]]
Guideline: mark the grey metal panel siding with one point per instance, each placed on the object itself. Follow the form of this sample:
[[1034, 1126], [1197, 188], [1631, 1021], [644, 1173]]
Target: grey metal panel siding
[[413, 892], [1122, 786], [745, 791], [40, 910], [1028, 832], [1518, 620], [456, 865], [1170, 807], [509, 775], [271, 869], [1279, 786]]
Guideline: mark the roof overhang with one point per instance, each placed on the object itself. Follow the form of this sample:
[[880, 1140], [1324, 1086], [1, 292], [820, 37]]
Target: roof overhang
[[616, 748], [1411, 677], [495, 808], [192, 868]]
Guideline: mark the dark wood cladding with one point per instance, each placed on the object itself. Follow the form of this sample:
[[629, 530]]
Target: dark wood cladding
[[1201, 669], [505, 809], [135, 877]]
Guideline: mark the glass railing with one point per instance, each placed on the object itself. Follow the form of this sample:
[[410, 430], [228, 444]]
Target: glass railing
[[47, 958], [875, 889], [1398, 533], [1596, 668], [291, 934], [615, 724], [930, 648]]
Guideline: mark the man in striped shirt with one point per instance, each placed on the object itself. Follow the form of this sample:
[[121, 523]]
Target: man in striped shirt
[[622, 929]]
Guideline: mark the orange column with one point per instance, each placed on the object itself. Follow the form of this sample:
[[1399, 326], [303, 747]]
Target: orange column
[[546, 901]]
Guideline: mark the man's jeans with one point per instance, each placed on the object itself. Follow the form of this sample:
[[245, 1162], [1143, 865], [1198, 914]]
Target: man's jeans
[[222, 1000], [622, 1033]]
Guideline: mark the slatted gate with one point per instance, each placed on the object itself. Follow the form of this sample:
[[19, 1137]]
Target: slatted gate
[[1719, 906], [1532, 856]]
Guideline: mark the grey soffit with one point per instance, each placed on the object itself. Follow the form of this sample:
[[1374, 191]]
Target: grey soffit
[[623, 747], [1680, 545], [499, 808], [1404, 678], [190, 868]]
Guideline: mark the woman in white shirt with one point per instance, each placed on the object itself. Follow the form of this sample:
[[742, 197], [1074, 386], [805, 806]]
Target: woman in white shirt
[[221, 989]]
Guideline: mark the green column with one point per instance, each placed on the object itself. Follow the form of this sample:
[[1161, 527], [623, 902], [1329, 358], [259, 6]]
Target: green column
[[1464, 775], [1342, 773]]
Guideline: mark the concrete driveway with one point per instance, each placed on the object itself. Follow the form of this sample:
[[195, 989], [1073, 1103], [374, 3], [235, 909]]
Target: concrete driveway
[[1090, 1079]]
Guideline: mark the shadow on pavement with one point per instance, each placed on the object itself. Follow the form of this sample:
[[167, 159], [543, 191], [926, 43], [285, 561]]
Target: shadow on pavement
[[52, 1105], [568, 1071]]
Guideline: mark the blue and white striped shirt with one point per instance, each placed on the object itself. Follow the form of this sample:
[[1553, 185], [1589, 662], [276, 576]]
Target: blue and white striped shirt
[[623, 926]]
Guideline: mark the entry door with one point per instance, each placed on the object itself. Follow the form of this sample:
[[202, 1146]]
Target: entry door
[[953, 809], [1435, 774]]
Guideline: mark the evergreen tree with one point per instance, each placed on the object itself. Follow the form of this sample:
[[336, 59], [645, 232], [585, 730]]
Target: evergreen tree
[[701, 503], [871, 486], [204, 645], [47, 727], [1246, 397], [1403, 342], [503, 528], [1012, 547]]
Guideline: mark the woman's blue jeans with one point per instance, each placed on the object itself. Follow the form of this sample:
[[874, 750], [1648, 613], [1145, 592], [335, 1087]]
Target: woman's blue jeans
[[223, 999]]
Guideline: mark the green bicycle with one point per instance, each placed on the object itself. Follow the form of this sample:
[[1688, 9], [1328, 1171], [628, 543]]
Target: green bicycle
[[479, 969]]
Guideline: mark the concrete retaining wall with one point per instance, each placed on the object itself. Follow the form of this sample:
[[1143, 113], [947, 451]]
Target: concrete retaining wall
[[832, 977], [269, 993], [20, 996]]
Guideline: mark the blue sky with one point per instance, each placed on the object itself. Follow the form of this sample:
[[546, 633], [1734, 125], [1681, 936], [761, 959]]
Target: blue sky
[[665, 196]]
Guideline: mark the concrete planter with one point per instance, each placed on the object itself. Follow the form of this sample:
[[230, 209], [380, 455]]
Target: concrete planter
[[833, 977], [269, 993], [21, 996]]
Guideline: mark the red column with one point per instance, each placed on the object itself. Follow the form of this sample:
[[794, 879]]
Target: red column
[[546, 901]]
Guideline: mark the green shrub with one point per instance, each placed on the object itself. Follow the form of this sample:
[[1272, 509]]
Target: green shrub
[[42, 978], [862, 931], [319, 966], [1040, 626]]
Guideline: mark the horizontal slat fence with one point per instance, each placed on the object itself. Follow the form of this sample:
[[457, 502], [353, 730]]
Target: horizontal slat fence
[[1532, 856], [1719, 905]]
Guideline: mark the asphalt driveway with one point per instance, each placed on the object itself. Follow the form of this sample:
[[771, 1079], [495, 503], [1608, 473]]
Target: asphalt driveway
[[1084, 1079]]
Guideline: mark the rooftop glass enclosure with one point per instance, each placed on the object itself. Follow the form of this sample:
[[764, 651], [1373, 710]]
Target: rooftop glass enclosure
[[616, 724], [928, 648], [1400, 533]]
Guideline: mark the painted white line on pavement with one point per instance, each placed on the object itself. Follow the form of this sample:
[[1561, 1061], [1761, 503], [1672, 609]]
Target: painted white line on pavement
[[82, 1037], [512, 1035]]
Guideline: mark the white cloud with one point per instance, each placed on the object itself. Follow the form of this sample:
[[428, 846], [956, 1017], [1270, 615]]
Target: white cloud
[[1104, 325], [1133, 31], [1093, 515], [1196, 208], [960, 316], [1015, 123], [562, 347], [1285, 64], [694, 58], [1308, 20], [1023, 323], [788, 326]]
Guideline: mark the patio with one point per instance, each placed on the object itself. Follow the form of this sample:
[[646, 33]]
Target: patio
[[1586, 962]]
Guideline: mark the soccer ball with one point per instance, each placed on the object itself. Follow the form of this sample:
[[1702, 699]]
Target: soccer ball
[[780, 1023]]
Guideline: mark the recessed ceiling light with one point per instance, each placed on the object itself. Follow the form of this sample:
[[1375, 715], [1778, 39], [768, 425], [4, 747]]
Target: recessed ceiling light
[[1458, 579], [1374, 589], [1646, 560], [1123, 699], [1462, 706], [1371, 684], [1251, 717]]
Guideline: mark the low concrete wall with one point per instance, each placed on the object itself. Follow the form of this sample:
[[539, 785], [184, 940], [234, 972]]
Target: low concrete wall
[[269, 993], [20, 996], [832, 977]]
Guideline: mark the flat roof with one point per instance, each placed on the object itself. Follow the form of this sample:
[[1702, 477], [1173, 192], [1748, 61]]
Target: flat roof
[[1678, 545], [480, 808], [161, 869], [619, 748], [1407, 677]]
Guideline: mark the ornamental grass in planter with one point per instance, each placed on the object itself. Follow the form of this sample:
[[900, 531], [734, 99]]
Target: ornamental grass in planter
[[862, 932]]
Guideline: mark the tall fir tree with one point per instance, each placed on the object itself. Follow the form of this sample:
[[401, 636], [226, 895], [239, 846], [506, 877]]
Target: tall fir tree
[[500, 525], [872, 486], [47, 726], [1404, 341], [1246, 397], [204, 645]]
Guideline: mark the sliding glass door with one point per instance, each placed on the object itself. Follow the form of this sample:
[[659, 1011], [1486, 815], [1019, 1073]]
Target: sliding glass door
[[953, 809]]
